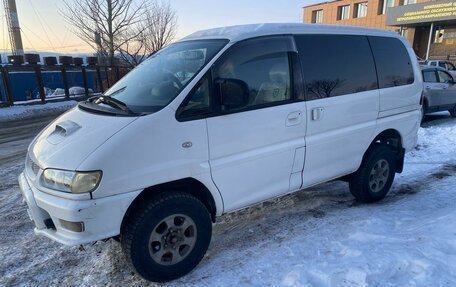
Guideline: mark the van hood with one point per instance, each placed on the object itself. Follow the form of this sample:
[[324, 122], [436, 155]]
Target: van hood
[[72, 137]]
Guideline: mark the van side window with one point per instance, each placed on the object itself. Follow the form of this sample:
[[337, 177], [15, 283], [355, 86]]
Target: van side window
[[429, 76], [262, 67], [335, 65], [198, 103], [393, 63]]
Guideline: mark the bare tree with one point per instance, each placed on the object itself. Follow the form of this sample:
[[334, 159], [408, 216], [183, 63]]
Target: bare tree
[[161, 26], [104, 24], [156, 31], [133, 52]]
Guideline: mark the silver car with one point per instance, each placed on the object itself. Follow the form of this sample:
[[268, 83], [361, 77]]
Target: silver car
[[439, 90]]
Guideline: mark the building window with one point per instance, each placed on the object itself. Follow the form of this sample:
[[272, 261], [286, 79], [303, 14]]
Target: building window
[[343, 12], [317, 16], [407, 2], [383, 5], [438, 37], [360, 10]]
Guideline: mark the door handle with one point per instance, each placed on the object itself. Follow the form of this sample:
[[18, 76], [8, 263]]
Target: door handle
[[317, 114], [293, 118]]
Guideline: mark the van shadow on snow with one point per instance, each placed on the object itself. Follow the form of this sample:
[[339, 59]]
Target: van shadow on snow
[[420, 185]]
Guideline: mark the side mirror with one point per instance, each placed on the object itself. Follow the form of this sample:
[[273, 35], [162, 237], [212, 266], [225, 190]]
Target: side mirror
[[234, 93]]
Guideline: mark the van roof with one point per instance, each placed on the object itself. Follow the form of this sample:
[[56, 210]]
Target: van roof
[[241, 32]]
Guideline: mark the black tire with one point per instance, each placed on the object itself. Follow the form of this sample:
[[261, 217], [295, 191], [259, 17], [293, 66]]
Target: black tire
[[143, 224], [453, 112], [362, 183], [423, 115]]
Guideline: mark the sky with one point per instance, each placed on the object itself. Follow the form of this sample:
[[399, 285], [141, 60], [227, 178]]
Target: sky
[[44, 29]]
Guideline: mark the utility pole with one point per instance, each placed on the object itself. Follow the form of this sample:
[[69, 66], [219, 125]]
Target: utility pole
[[14, 29]]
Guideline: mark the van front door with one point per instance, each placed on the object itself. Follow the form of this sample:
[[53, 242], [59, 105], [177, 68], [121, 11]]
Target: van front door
[[256, 143]]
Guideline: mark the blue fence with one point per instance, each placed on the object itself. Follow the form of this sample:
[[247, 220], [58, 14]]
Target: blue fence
[[29, 82], [25, 87]]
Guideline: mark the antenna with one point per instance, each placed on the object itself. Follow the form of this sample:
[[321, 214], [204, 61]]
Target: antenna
[[14, 29]]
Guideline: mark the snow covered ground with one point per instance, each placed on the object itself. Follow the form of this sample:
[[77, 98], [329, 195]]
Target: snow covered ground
[[316, 237], [27, 111]]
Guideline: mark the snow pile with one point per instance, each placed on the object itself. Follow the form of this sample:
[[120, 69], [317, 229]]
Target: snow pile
[[74, 91], [28, 111], [316, 237], [59, 92]]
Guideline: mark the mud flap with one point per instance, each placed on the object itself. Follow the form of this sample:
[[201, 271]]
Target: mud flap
[[400, 160]]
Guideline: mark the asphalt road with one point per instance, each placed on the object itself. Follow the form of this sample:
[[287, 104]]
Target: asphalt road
[[15, 136]]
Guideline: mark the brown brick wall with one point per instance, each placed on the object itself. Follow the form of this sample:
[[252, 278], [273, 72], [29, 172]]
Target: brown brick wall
[[372, 19], [447, 47]]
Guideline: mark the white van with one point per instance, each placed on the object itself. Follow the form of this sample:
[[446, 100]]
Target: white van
[[220, 120]]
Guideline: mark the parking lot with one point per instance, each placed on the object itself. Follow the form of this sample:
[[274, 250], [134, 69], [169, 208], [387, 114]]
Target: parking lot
[[314, 237]]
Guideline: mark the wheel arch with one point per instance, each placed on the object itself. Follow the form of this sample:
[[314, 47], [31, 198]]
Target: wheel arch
[[187, 185], [393, 139]]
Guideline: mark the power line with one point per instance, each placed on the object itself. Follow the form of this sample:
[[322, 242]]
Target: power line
[[27, 38], [41, 24], [65, 36], [31, 31], [3, 32], [50, 29], [68, 46]]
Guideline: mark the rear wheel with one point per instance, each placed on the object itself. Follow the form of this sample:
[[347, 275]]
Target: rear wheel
[[375, 176], [167, 236], [453, 112], [422, 114]]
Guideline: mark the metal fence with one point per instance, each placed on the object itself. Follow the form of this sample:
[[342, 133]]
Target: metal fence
[[42, 83]]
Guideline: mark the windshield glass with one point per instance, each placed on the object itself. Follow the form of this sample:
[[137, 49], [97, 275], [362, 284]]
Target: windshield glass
[[158, 80]]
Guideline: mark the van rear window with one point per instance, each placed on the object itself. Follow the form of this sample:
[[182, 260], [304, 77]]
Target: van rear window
[[335, 65], [393, 63]]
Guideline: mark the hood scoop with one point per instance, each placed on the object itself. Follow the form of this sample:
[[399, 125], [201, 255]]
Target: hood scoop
[[62, 130]]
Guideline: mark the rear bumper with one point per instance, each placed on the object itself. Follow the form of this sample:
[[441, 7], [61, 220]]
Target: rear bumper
[[101, 218]]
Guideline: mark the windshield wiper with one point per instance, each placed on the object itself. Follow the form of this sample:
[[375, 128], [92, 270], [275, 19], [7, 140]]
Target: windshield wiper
[[112, 102], [117, 91]]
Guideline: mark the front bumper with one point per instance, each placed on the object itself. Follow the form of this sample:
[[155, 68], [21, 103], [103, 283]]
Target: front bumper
[[101, 218]]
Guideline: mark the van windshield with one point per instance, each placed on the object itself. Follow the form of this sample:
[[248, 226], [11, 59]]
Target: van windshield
[[158, 80]]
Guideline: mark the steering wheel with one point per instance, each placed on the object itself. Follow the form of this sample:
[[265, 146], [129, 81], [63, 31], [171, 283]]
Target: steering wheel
[[173, 79]]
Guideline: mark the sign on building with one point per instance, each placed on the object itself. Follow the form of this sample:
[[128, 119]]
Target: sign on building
[[421, 13]]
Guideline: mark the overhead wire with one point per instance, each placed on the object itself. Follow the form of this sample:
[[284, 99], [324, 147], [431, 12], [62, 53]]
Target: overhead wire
[[41, 24], [31, 31], [4, 40], [27, 38]]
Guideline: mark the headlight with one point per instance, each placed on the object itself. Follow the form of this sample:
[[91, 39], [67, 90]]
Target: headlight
[[70, 181]]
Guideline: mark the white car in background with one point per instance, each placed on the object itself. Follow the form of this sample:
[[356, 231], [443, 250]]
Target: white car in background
[[444, 64], [439, 90]]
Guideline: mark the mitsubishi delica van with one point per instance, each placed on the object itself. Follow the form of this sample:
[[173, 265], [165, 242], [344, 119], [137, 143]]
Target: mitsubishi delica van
[[218, 121]]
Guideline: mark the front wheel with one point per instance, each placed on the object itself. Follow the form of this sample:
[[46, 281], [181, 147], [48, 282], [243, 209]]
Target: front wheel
[[167, 236], [375, 176]]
